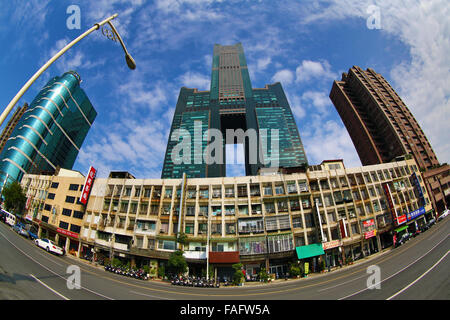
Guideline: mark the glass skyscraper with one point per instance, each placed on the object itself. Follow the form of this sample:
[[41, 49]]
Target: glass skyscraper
[[51, 131], [270, 134]]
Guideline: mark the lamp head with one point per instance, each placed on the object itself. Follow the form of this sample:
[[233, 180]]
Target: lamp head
[[130, 62]]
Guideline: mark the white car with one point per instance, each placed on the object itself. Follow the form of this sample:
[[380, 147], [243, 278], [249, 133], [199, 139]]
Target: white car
[[443, 214], [49, 245]]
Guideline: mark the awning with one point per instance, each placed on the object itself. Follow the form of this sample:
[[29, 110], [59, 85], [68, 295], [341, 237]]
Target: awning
[[309, 251], [401, 229]]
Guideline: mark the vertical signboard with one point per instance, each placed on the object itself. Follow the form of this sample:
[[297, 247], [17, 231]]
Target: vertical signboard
[[397, 219], [88, 185]]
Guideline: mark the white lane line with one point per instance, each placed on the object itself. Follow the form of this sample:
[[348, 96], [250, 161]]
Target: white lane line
[[425, 273], [96, 293], [148, 295], [340, 284], [49, 288], [357, 292]]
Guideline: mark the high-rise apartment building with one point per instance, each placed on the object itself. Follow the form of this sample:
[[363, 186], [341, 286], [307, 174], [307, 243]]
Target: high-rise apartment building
[[378, 121], [51, 131], [6, 133], [261, 119]]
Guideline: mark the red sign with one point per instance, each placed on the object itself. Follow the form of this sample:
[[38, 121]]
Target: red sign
[[401, 219], [370, 234], [368, 223], [67, 233], [331, 244], [87, 185]]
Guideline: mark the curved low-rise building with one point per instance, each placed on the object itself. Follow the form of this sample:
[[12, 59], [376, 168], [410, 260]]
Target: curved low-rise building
[[265, 221]]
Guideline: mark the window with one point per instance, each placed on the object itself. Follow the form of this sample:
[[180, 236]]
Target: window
[[74, 187], [251, 225], [47, 207], [75, 228], [280, 243], [63, 225], [70, 199], [229, 210], [145, 226], [190, 210], [78, 214], [166, 245], [230, 228], [309, 221], [189, 228], [54, 185], [297, 222], [249, 246], [67, 212], [51, 196], [267, 190]]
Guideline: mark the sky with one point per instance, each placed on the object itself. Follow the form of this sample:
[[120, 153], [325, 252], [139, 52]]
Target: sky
[[305, 45]]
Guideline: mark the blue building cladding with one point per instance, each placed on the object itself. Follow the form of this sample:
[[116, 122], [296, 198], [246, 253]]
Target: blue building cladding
[[51, 132], [233, 105]]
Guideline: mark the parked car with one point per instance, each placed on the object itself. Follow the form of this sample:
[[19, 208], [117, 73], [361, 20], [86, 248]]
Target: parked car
[[405, 237], [22, 231], [443, 214], [49, 245]]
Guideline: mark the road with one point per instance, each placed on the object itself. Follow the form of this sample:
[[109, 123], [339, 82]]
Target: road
[[419, 269]]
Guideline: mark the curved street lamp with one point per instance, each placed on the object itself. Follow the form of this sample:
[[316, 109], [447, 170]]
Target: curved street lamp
[[130, 62]]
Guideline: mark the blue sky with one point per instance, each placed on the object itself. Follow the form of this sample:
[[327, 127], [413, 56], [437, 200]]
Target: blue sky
[[303, 44]]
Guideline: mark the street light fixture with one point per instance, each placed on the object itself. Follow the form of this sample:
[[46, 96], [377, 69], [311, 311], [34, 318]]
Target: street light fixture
[[130, 62]]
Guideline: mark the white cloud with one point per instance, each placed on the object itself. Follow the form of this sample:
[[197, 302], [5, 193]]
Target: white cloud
[[318, 100], [195, 80], [308, 70], [284, 76]]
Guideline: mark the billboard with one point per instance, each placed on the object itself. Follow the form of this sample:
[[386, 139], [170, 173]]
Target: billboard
[[88, 185]]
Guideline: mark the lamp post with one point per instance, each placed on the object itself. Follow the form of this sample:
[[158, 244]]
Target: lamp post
[[130, 62]]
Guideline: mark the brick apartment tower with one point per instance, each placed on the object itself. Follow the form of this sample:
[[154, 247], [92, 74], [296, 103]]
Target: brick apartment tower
[[378, 121], [6, 133], [382, 128]]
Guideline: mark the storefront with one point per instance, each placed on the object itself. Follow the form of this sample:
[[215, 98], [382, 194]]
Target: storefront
[[333, 253], [310, 255], [222, 262]]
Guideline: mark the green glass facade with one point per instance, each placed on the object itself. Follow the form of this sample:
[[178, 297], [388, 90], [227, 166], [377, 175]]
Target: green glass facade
[[232, 104], [50, 133]]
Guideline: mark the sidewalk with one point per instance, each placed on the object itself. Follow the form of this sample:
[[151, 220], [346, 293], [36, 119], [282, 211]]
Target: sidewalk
[[258, 283]]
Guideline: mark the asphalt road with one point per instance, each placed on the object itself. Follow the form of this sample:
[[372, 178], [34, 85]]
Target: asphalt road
[[419, 269]]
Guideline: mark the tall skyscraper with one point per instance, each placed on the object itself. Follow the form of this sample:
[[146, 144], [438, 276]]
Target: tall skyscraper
[[270, 138], [6, 133], [377, 120], [50, 133]]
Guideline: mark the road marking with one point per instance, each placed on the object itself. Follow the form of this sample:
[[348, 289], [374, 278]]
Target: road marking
[[52, 290], [358, 292], [425, 273], [148, 295], [340, 284], [96, 293]]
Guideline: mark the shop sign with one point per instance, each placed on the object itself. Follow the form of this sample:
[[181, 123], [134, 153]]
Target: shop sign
[[87, 185], [416, 213], [331, 244], [368, 223], [370, 234], [67, 233], [417, 184], [401, 219]]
